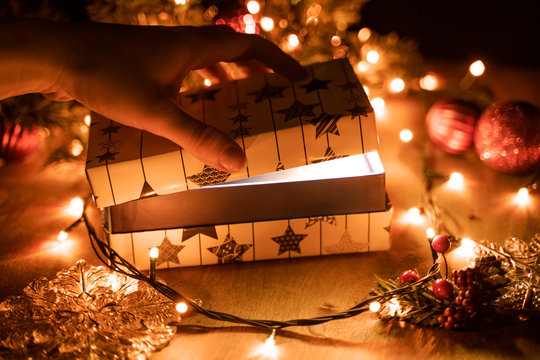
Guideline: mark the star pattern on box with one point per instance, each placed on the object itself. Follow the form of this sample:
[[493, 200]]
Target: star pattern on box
[[238, 106], [268, 92], [320, 219], [203, 94], [353, 99], [358, 110], [108, 155], [241, 131], [346, 244], [289, 241], [108, 144], [297, 109], [349, 85], [280, 166], [240, 118], [110, 129], [230, 251], [326, 124], [168, 252], [209, 176], [329, 154], [316, 84], [209, 231]]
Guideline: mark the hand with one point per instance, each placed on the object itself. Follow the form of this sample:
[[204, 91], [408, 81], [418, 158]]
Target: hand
[[133, 74]]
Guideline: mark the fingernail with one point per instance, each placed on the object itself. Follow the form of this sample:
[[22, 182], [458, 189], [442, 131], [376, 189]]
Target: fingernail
[[233, 159]]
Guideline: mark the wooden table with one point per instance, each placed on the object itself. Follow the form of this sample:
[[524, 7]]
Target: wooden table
[[32, 199]]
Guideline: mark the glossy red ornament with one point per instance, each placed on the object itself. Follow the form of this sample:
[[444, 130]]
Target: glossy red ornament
[[408, 276], [440, 244], [507, 137], [17, 142], [443, 288], [450, 125]]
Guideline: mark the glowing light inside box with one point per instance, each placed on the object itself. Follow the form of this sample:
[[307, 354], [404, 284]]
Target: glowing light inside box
[[350, 166], [522, 197]]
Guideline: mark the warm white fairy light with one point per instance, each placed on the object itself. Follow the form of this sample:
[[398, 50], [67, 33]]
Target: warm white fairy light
[[267, 23], [364, 34], [181, 307], [373, 56], [393, 307], [477, 68], [405, 135], [363, 66], [154, 253], [374, 306], [378, 106], [430, 233], [397, 85], [87, 119], [268, 349], [466, 250], [456, 181], [180, 2], [62, 236], [429, 82], [76, 147], [413, 216], [75, 207], [207, 82], [522, 197], [292, 41], [335, 41], [253, 6]]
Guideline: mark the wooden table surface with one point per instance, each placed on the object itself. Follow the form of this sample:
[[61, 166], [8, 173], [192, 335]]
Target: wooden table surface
[[32, 199]]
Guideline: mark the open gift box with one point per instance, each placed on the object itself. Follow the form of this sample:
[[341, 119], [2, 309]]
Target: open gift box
[[313, 161]]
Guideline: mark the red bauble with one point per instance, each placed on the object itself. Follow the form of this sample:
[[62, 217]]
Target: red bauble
[[440, 244], [450, 124], [443, 288], [507, 137], [17, 142], [408, 276]]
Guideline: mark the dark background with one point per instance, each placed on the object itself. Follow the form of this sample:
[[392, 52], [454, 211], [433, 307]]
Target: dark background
[[503, 32]]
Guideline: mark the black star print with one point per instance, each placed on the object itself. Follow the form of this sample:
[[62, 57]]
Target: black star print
[[289, 241], [357, 111], [319, 219], [354, 98], [268, 92], [297, 109], [230, 251], [168, 252], [349, 85], [316, 84], [107, 156], [110, 129], [209, 176], [240, 118], [241, 131], [326, 123], [238, 106], [329, 154], [209, 231], [203, 94]]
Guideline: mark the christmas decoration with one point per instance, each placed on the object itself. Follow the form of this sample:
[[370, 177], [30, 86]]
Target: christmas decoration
[[86, 312], [450, 124], [408, 276], [507, 137], [440, 244], [17, 142], [443, 288]]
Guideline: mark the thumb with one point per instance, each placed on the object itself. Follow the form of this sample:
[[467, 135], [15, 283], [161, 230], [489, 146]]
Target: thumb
[[206, 143]]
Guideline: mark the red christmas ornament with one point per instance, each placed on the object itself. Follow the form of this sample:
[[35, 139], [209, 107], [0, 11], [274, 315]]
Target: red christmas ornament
[[440, 244], [408, 276], [507, 137], [443, 288], [450, 124], [17, 142]]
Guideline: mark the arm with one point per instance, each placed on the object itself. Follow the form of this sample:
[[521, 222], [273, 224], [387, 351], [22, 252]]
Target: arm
[[132, 74]]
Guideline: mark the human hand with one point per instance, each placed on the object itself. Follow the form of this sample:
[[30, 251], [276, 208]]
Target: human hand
[[133, 74]]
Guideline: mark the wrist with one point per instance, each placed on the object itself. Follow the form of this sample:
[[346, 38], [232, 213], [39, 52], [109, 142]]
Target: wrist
[[30, 57]]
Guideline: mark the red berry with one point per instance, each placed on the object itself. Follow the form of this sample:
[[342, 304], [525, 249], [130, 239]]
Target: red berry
[[441, 319], [440, 244], [448, 326], [443, 288], [408, 276], [449, 311]]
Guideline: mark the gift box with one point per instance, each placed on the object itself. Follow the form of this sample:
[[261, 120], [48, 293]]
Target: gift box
[[314, 184]]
